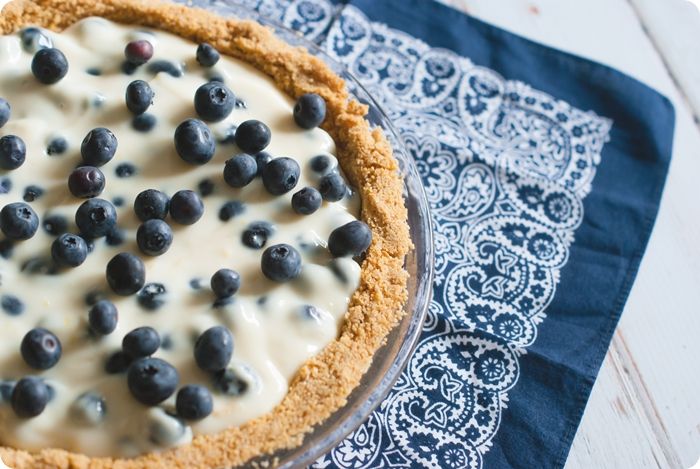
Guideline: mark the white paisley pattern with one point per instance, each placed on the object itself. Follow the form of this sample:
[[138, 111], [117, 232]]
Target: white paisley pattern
[[506, 168]]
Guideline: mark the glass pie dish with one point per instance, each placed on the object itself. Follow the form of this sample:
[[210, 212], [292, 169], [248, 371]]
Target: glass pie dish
[[390, 360]]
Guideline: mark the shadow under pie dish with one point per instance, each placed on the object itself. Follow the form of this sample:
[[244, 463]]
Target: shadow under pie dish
[[330, 367]]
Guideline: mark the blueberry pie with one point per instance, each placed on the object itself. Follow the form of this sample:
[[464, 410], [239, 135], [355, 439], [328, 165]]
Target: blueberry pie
[[201, 238]]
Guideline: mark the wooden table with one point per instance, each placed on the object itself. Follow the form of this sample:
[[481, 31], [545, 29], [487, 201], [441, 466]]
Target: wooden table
[[644, 411]]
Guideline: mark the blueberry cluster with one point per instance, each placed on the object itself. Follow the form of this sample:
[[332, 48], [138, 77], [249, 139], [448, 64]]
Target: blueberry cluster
[[152, 380]]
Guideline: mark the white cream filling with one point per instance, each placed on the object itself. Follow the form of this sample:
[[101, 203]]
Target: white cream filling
[[272, 338]]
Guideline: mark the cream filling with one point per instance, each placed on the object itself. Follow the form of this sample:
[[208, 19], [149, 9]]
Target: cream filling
[[272, 337]]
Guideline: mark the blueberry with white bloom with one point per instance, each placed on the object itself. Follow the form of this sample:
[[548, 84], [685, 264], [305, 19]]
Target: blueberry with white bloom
[[252, 136], [41, 349], [194, 402], [309, 111], [125, 274], [213, 101], [49, 66], [18, 221], [139, 96], [207, 55], [29, 397], [96, 218], [214, 348], [186, 208], [351, 239], [34, 39], [306, 201], [141, 342], [98, 147], [152, 380], [151, 204], [154, 237], [13, 152], [69, 250], [281, 263], [103, 317], [332, 187], [281, 175], [240, 170], [225, 283], [194, 141]]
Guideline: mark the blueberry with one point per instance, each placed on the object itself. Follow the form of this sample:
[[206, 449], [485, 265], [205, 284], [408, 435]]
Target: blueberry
[[6, 248], [98, 147], [18, 221], [40, 349], [350, 239], [256, 234], [306, 201], [231, 209], [332, 187], [29, 397], [166, 343], [152, 380], [57, 146], [89, 408], [194, 402], [240, 170], [151, 204], [229, 136], [213, 101], [144, 122], [280, 175], [128, 68], [5, 185], [125, 170], [194, 142], [94, 71], [6, 388], [252, 136], [103, 317], [262, 158], [154, 237], [281, 263], [86, 182], [310, 312], [213, 349], [5, 111], [152, 296], [196, 283], [118, 201], [96, 218], [125, 274], [32, 192], [321, 164], [34, 39], [13, 152], [11, 305], [207, 56], [166, 67], [114, 237], [139, 96], [55, 224], [138, 52], [228, 382], [225, 283], [69, 250], [49, 66], [141, 342], [205, 187], [309, 111], [117, 363], [186, 208]]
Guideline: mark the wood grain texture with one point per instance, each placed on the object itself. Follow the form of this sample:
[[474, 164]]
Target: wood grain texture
[[644, 411]]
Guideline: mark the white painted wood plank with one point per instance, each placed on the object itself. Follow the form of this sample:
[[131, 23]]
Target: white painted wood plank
[[675, 30], [644, 411]]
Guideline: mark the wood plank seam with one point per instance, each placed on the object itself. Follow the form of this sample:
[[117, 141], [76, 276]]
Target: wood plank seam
[[667, 65], [637, 392]]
